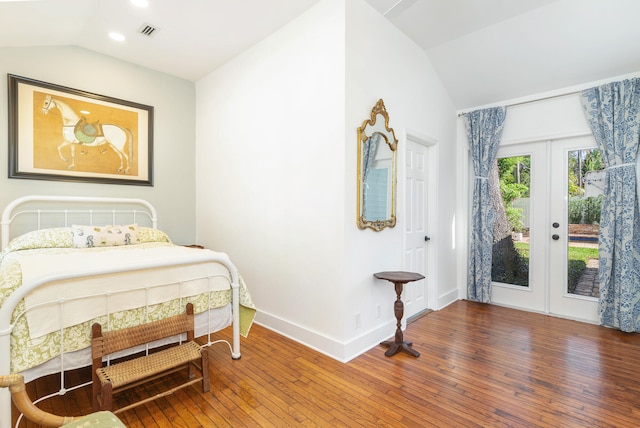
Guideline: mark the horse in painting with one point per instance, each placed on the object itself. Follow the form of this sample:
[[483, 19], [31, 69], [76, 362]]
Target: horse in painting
[[76, 131]]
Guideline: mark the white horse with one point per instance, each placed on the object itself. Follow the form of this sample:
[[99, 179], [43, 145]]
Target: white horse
[[112, 135]]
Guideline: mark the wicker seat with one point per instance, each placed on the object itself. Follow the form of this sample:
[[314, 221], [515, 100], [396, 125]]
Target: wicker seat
[[127, 374]]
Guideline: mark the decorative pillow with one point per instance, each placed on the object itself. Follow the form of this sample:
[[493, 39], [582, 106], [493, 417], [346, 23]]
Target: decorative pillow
[[149, 234], [59, 237], [104, 236]]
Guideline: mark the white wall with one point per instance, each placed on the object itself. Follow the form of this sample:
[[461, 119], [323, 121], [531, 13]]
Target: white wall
[[270, 173], [276, 169], [173, 100]]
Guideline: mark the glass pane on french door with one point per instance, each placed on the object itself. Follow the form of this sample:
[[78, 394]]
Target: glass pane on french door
[[584, 198], [510, 186]]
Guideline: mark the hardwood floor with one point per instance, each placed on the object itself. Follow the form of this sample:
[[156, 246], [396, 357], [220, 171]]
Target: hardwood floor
[[480, 366]]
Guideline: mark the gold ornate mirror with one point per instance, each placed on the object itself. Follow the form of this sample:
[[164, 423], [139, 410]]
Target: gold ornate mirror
[[377, 146]]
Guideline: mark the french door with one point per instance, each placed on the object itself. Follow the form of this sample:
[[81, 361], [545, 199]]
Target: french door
[[553, 197]]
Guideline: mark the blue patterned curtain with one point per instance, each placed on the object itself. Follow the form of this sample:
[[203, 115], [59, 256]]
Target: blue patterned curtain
[[613, 113], [484, 129]]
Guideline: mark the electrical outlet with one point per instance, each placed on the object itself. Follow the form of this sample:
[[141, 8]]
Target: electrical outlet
[[358, 324], [378, 311]]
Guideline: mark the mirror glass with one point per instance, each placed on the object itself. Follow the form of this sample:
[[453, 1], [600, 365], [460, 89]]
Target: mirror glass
[[377, 146]]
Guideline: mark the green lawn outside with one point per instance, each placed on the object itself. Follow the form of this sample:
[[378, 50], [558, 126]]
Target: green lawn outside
[[578, 257]]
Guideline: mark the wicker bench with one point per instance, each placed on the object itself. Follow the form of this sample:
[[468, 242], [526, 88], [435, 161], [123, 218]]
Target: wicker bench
[[132, 372]]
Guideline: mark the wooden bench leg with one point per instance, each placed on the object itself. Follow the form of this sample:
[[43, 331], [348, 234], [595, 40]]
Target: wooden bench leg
[[107, 397], [95, 392], [191, 370]]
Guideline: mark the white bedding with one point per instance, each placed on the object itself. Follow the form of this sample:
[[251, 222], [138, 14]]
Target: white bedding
[[126, 291], [38, 338]]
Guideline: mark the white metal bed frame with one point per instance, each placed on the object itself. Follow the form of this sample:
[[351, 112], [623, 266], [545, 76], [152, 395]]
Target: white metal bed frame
[[11, 212]]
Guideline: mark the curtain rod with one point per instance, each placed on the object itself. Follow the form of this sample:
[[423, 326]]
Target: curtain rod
[[530, 101]]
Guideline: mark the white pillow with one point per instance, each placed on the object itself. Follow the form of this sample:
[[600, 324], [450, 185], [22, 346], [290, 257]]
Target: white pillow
[[104, 236]]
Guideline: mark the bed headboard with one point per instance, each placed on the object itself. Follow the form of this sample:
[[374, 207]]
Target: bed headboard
[[39, 212]]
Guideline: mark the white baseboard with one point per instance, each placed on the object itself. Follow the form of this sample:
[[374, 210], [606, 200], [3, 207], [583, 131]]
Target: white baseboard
[[448, 298], [333, 348]]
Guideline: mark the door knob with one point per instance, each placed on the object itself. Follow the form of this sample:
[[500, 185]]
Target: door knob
[[426, 238], [555, 237], [556, 225]]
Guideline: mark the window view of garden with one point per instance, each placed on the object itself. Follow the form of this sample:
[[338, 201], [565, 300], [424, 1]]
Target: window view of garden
[[510, 182], [586, 180], [509, 186]]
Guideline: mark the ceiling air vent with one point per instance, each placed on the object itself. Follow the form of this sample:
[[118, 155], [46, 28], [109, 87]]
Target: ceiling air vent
[[147, 30]]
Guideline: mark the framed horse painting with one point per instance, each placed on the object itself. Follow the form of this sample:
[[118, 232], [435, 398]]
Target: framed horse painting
[[59, 133]]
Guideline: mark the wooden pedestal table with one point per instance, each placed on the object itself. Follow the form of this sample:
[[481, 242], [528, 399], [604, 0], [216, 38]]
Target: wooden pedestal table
[[399, 279]]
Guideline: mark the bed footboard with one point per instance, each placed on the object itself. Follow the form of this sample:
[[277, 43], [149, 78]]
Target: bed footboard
[[32, 213], [12, 301]]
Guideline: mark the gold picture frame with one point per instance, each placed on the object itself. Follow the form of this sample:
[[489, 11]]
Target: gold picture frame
[[65, 134]]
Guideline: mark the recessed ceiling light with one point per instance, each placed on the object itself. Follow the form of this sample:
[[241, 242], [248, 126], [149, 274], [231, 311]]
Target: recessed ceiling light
[[140, 3], [117, 36]]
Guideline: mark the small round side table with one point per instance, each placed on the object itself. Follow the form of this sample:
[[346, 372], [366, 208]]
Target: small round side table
[[399, 279]]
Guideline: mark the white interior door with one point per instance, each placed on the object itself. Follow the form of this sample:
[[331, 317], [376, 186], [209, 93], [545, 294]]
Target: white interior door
[[416, 236]]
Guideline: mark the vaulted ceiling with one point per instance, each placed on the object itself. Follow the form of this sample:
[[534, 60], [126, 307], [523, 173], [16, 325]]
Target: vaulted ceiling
[[485, 51]]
